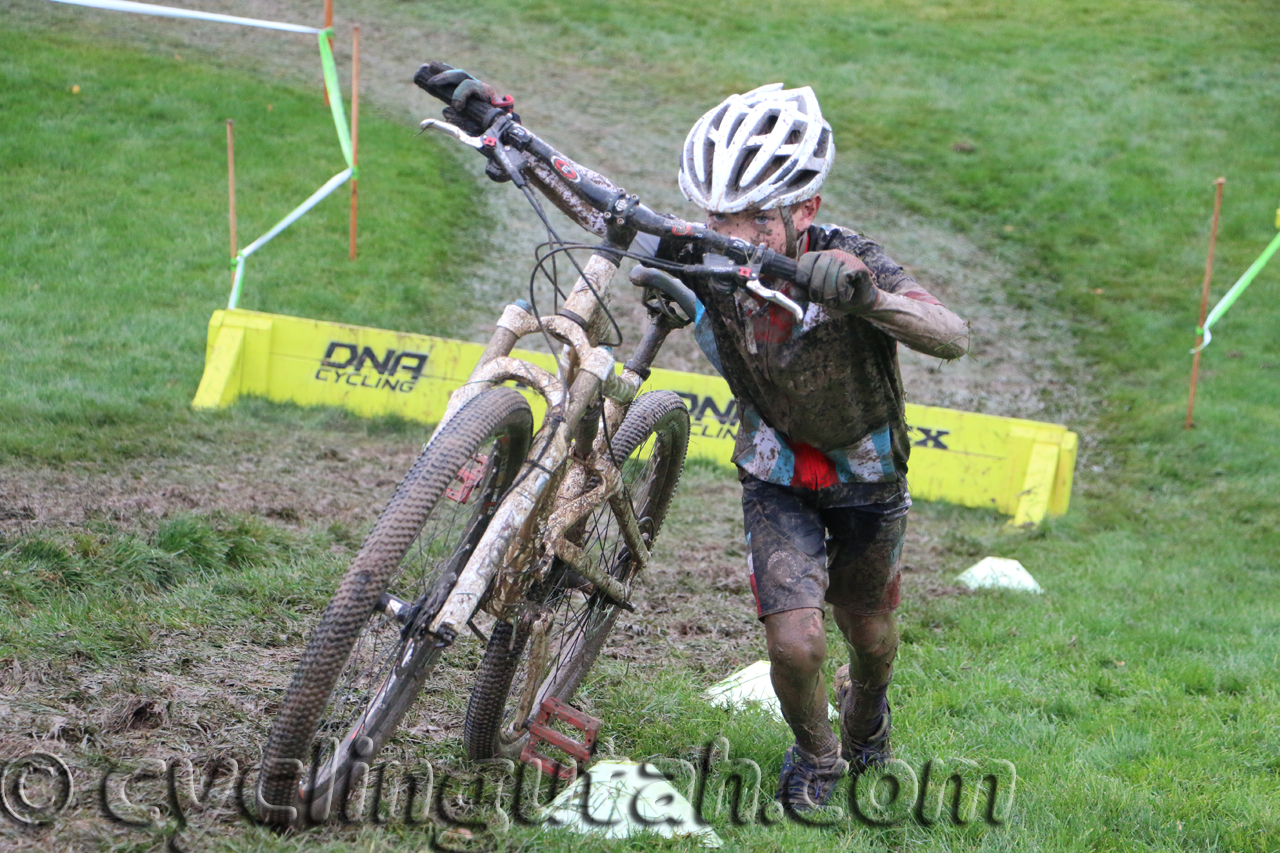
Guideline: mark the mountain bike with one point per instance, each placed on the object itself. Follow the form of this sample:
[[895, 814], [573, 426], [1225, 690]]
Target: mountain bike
[[546, 531]]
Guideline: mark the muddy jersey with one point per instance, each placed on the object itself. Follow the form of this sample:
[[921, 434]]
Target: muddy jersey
[[820, 400]]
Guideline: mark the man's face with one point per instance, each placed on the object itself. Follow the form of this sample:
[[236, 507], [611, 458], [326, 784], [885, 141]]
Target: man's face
[[757, 227], [764, 227]]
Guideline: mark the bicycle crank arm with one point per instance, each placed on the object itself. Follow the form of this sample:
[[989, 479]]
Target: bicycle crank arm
[[582, 564], [539, 626]]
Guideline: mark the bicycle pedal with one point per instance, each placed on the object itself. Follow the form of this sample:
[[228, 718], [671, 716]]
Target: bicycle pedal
[[464, 484], [540, 731]]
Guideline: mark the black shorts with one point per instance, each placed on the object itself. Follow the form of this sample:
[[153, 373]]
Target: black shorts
[[800, 553]]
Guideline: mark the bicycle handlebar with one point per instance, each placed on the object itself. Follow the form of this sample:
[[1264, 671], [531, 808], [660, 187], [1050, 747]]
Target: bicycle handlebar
[[478, 111], [618, 206]]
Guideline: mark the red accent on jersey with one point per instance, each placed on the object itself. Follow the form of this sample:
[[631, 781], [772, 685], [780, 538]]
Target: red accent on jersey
[[813, 469], [773, 325]]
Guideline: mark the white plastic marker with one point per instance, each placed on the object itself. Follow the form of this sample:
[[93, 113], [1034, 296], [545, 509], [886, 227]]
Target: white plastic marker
[[171, 12], [625, 798], [748, 687], [998, 573]]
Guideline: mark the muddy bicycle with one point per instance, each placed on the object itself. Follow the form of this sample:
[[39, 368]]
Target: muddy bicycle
[[545, 531]]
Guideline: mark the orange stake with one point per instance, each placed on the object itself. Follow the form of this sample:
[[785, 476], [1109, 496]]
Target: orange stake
[[231, 190], [328, 25], [1204, 299], [355, 126]]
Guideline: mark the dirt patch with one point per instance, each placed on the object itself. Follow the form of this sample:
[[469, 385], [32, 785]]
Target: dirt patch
[[190, 698], [298, 480]]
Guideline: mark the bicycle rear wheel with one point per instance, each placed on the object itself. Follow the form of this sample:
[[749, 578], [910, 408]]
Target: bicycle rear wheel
[[649, 449], [361, 670]]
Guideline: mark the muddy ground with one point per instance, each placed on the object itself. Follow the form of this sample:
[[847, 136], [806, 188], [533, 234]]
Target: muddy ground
[[208, 694]]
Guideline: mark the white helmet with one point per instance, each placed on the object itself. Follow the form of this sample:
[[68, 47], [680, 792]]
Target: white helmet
[[768, 148]]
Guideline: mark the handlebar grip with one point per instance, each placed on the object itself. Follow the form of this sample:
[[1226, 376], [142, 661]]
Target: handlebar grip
[[428, 70], [476, 109], [780, 266]]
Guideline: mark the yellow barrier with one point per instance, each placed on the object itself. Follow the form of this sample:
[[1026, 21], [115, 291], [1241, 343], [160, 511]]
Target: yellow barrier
[[1018, 467]]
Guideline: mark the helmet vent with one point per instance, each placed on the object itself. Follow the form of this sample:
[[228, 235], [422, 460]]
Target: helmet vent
[[764, 149]]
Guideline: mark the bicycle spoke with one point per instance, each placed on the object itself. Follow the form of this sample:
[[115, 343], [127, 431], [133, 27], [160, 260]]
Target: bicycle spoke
[[381, 650], [579, 614]]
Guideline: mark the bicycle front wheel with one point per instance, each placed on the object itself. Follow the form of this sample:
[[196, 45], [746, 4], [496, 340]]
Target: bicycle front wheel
[[361, 668], [649, 449]]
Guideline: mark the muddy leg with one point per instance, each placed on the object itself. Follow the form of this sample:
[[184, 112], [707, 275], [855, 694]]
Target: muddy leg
[[873, 644], [797, 648]]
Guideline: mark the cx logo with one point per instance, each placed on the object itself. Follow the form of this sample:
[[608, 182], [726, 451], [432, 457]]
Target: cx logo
[[931, 438]]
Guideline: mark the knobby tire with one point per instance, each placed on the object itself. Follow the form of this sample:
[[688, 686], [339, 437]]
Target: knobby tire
[[411, 548], [489, 730]]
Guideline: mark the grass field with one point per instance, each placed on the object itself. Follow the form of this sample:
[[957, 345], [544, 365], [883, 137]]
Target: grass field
[[115, 228], [1074, 142]]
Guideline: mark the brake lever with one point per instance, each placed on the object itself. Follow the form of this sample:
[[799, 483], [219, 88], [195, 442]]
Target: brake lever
[[778, 298], [476, 142], [748, 277], [487, 144]]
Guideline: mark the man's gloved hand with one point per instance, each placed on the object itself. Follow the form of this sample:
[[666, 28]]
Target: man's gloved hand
[[465, 87], [457, 111], [838, 281]]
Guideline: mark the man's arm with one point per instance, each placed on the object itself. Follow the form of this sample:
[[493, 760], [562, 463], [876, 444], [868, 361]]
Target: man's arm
[[886, 296], [920, 321]]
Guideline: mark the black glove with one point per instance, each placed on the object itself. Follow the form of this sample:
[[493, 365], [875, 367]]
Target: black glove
[[838, 281], [439, 78]]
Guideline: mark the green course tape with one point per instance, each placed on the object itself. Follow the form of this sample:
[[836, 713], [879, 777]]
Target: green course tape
[[294, 215], [1236, 289], [335, 95], [344, 140], [235, 283]]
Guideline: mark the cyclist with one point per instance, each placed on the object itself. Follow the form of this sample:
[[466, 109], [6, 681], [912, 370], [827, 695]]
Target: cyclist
[[822, 447]]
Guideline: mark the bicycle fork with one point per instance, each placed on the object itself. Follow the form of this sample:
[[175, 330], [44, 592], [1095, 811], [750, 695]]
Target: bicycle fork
[[502, 542]]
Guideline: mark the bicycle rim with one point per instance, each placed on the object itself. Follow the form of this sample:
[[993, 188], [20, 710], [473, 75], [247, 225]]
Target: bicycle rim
[[361, 670], [650, 449]]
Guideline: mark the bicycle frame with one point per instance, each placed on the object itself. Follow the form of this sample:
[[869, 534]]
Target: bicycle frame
[[586, 375]]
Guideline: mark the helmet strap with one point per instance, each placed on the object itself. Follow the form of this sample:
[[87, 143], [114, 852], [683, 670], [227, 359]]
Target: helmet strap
[[789, 227]]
